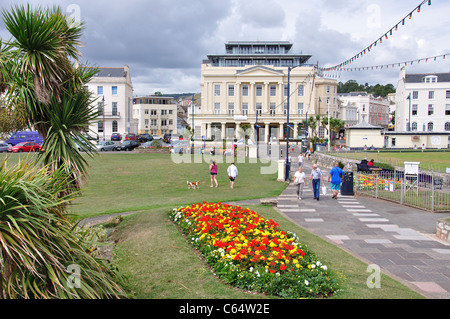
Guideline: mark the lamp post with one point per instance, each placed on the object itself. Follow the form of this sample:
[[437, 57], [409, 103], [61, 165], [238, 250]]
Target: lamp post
[[103, 111], [329, 127], [287, 167], [408, 128], [192, 137]]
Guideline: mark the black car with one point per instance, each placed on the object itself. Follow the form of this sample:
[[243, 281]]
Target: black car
[[145, 138], [128, 145], [167, 138]]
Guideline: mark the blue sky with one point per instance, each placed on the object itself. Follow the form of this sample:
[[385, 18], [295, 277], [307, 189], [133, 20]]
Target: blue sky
[[165, 41]]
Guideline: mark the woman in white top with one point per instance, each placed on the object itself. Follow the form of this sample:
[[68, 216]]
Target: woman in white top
[[300, 181]]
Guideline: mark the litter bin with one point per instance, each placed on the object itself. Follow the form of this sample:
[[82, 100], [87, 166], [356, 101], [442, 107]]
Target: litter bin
[[347, 184]]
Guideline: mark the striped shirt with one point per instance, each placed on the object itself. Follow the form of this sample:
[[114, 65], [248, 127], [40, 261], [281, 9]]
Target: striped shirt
[[316, 173]]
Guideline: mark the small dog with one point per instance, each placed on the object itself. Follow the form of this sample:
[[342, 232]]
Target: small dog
[[193, 185]]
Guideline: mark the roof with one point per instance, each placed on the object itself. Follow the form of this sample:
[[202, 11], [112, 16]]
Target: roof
[[363, 125], [419, 77], [111, 73]]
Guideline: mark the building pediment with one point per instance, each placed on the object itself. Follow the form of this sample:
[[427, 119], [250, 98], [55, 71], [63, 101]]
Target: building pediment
[[259, 71]]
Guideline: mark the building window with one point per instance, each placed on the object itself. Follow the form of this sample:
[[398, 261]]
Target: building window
[[414, 110], [431, 79], [447, 126], [153, 122], [415, 95], [114, 109], [217, 90], [115, 126], [300, 108], [163, 122], [100, 108], [244, 108], [258, 90], [273, 90], [447, 109], [272, 109], [447, 95], [153, 112], [230, 108], [301, 90], [321, 132], [245, 90], [259, 108], [431, 95], [100, 127], [430, 109], [414, 126], [146, 122], [430, 126], [217, 108], [286, 90], [393, 142], [99, 90], [114, 90], [231, 90], [163, 112], [285, 109]]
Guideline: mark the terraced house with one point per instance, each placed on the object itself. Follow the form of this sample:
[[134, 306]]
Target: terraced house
[[248, 84]]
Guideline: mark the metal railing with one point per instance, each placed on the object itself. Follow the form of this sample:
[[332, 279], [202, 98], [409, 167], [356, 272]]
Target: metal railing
[[428, 191]]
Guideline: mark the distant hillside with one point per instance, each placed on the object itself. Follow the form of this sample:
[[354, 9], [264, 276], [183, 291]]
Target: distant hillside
[[377, 90]]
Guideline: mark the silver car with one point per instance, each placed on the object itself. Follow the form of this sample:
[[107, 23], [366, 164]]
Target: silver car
[[105, 146], [4, 147]]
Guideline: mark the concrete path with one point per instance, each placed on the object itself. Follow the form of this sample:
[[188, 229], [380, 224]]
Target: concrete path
[[399, 239]]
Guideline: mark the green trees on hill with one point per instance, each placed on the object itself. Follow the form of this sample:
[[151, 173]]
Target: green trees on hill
[[377, 90]]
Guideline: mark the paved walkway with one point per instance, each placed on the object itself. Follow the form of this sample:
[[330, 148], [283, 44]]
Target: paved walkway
[[399, 239]]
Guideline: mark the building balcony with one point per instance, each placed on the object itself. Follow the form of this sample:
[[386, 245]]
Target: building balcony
[[110, 115]]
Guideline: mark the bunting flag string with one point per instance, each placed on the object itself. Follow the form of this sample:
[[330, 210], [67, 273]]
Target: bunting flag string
[[330, 73], [379, 40]]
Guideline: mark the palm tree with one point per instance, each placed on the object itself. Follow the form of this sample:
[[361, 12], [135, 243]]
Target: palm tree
[[42, 80]]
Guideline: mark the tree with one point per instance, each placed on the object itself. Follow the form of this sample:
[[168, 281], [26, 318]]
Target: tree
[[44, 85], [38, 242]]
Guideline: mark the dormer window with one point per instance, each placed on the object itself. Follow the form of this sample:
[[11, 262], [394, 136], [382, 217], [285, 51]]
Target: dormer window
[[431, 79]]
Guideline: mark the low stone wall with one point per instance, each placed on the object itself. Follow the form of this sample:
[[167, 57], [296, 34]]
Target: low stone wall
[[443, 229], [327, 161]]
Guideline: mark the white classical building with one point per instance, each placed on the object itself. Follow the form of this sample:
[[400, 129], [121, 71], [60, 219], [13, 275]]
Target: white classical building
[[423, 102], [248, 85], [155, 114], [374, 110], [113, 90]]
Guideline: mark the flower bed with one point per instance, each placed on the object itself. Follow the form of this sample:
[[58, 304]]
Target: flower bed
[[250, 252]]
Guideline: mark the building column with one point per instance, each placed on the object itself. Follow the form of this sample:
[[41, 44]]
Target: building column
[[238, 126], [252, 105], [281, 131], [222, 130], [296, 130], [266, 103], [266, 133], [237, 94]]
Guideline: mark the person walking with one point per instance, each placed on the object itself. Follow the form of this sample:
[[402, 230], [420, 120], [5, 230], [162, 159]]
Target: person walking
[[213, 173], [336, 177], [300, 160], [300, 181], [232, 172], [316, 176]]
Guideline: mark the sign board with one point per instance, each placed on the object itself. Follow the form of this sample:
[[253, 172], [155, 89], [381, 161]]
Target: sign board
[[412, 168], [392, 186]]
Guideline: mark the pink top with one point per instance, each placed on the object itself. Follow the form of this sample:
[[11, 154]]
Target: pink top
[[214, 169]]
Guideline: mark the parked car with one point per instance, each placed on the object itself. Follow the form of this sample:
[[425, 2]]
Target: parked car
[[130, 136], [25, 147], [167, 138], [105, 146], [116, 137], [145, 138], [128, 145], [157, 137], [4, 147], [25, 136], [147, 144]]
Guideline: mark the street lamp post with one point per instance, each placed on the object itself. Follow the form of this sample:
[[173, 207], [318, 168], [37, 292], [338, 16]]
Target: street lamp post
[[329, 127], [287, 167], [103, 111], [409, 114]]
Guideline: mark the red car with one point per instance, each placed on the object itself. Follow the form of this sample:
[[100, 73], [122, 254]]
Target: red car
[[25, 147]]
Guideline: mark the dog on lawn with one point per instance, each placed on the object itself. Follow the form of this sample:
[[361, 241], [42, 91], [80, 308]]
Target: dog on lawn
[[192, 185]]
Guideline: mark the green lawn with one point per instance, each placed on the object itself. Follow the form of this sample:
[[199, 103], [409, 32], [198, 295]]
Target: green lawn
[[153, 254], [430, 160]]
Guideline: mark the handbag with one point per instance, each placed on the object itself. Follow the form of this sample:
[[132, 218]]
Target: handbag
[[324, 190]]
